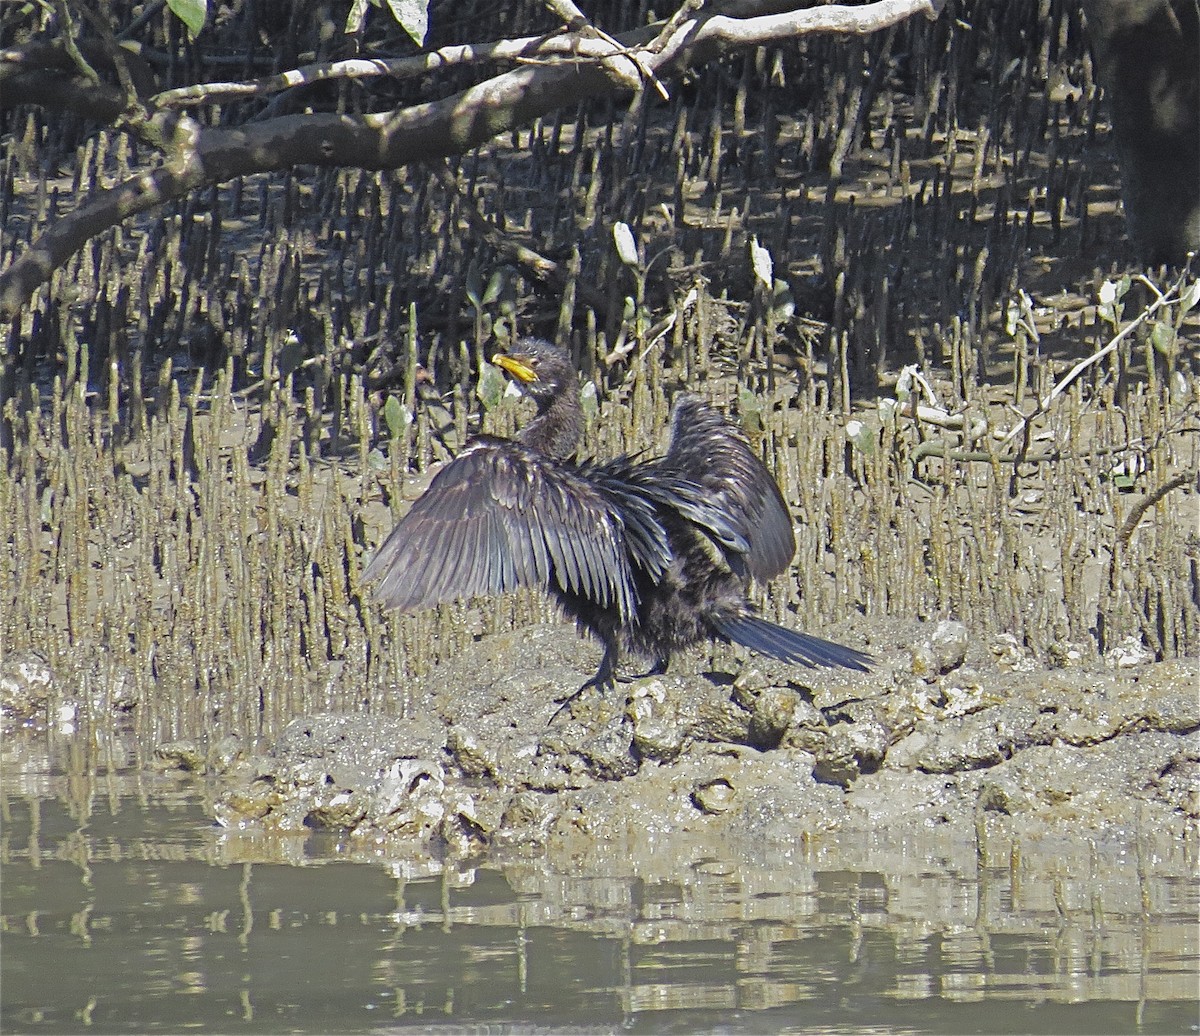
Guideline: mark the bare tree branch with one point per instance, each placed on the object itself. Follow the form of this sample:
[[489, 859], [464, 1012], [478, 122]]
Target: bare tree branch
[[45, 74], [366, 68], [70, 45], [199, 156]]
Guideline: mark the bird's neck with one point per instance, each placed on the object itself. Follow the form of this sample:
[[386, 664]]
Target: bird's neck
[[557, 428]]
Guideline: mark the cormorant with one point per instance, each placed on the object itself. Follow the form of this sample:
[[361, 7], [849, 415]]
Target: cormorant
[[647, 555]]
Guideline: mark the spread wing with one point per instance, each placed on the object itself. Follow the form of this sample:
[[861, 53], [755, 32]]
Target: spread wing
[[501, 516], [720, 484]]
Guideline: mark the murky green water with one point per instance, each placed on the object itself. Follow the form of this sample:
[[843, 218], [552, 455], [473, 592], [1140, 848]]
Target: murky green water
[[126, 910]]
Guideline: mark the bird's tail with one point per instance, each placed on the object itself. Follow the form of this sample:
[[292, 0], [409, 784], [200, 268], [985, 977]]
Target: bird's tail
[[787, 645]]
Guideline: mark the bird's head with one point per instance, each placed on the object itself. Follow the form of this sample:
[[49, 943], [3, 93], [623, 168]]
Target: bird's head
[[540, 369]]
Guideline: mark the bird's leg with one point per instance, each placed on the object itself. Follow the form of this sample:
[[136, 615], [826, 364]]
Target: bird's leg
[[603, 681], [658, 669], [606, 675]]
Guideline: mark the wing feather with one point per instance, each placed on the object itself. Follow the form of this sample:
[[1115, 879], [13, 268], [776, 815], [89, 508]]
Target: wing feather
[[645, 537], [502, 516], [477, 554], [708, 450]]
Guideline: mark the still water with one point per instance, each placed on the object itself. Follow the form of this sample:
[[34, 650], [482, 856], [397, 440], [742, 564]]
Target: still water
[[124, 909]]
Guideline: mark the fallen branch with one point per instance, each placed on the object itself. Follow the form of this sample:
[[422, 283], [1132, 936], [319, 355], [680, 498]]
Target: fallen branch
[[1130, 524]]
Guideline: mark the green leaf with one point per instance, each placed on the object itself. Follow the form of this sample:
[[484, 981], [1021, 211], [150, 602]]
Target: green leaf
[[588, 400], [395, 416], [750, 409], [760, 262], [1162, 337], [505, 293], [193, 14], [1191, 296], [783, 306], [413, 16], [474, 284], [1110, 295], [496, 285], [861, 436], [491, 387], [626, 247], [356, 17]]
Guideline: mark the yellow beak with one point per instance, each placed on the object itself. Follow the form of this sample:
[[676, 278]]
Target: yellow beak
[[516, 366]]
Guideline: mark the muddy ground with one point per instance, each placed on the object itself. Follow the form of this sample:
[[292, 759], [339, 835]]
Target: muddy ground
[[948, 734]]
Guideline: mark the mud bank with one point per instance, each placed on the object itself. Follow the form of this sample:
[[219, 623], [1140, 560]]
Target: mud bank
[[946, 735]]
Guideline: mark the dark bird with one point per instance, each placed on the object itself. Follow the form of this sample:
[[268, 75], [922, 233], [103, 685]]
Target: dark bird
[[648, 556]]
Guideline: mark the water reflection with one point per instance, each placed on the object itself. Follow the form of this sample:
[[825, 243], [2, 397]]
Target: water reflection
[[124, 909]]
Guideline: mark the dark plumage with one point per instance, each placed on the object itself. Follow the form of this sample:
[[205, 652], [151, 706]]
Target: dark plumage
[[648, 556]]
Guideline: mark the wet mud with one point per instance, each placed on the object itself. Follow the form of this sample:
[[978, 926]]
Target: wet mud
[[946, 736]]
